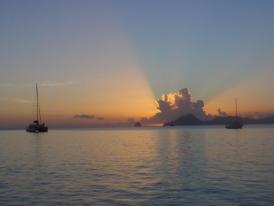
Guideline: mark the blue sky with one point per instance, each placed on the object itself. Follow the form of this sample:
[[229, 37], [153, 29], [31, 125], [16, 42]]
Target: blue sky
[[191, 40]]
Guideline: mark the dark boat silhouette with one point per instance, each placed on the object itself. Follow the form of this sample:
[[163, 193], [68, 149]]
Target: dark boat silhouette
[[236, 122], [37, 125]]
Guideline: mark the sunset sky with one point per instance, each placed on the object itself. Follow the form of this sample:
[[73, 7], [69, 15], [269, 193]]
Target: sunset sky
[[111, 60]]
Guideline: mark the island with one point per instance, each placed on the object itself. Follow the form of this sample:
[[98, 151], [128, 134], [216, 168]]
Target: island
[[191, 119]]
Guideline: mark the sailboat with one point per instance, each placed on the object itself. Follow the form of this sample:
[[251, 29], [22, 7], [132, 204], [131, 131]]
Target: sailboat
[[37, 125], [236, 123]]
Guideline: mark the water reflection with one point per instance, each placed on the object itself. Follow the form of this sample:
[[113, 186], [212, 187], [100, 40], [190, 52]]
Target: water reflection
[[181, 161], [165, 166]]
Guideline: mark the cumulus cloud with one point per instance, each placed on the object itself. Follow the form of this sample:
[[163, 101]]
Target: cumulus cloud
[[87, 116], [173, 105]]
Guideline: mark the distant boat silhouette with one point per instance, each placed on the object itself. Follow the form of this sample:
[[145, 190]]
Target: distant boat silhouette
[[37, 125], [236, 123]]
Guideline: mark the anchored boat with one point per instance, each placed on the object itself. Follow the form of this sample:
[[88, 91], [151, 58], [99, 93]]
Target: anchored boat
[[236, 123], [37, 125]]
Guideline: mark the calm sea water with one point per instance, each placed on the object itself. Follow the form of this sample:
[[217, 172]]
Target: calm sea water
[[146, 166]]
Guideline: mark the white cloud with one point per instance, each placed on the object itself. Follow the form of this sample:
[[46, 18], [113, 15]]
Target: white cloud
[[173, 105], [43, 84], [17, 100]]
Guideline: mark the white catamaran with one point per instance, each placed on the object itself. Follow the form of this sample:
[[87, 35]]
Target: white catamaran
[[37, 125]]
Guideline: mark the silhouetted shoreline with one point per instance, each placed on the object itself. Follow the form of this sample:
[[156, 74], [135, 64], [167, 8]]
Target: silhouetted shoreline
[[191, 119]]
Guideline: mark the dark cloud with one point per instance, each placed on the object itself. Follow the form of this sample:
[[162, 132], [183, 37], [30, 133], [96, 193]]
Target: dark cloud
[[87, 116], [84, 116], [173, 105], [222, 113]]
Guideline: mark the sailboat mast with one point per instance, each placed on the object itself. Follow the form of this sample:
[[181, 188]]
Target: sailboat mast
[[38, 115], [37, 104]]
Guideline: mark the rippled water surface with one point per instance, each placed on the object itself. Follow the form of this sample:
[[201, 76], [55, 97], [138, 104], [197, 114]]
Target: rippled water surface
[[146, 166]]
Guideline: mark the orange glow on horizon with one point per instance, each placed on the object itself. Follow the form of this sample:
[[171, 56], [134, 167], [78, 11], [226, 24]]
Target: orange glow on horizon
[[114, 87], [251, 96]]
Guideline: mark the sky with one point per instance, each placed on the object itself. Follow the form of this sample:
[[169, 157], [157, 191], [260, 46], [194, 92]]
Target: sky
[[106, 61]]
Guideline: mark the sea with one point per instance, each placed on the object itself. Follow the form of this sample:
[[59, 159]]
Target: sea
[[193, 165]]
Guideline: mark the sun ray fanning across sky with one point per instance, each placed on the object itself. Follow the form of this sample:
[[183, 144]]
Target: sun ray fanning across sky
[[107, 61]]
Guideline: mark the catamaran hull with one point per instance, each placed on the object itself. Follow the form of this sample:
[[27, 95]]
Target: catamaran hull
[[37, 125], [37, 129], [234, 126]]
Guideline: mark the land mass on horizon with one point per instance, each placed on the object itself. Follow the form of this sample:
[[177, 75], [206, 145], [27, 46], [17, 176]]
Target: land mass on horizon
[[191, 119]]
